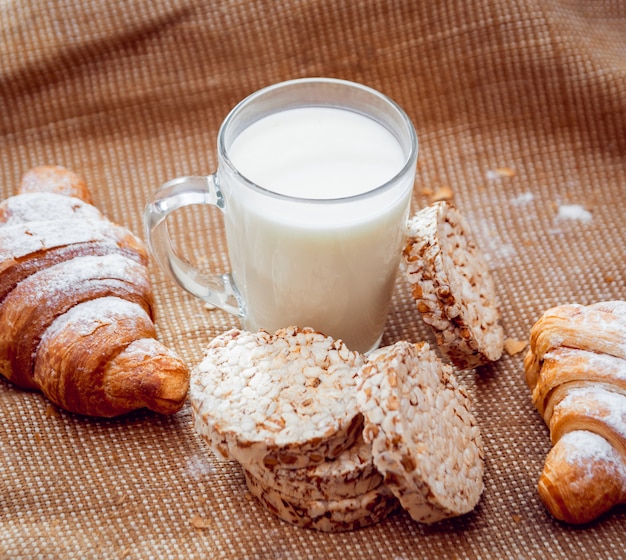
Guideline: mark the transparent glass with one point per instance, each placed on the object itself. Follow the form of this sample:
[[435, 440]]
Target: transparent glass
[[329, 264]]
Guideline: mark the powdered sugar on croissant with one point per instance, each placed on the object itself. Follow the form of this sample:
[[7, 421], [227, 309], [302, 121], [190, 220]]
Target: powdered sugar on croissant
[[583, 478], [76, 304], [576, 370]]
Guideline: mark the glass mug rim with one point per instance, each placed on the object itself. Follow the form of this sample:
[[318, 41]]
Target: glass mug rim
[[409, 163]]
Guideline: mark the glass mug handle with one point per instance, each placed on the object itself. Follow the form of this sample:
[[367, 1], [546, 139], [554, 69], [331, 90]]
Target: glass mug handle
[[217, 290]]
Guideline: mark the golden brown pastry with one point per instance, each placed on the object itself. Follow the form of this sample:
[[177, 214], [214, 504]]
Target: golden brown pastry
[[576, 370], [332, 440], [56, 179], [76, 305], [583, 478]]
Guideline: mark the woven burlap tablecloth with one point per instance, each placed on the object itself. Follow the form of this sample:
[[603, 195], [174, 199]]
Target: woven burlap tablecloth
[[520, 108]]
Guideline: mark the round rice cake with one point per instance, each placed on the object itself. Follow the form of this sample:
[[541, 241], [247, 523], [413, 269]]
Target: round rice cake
[[285, 400], [425, 440], [332, 515], [453, 289], [351, 474]]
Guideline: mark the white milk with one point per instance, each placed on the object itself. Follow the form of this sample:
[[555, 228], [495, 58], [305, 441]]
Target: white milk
[[317, 152], [327, 265]]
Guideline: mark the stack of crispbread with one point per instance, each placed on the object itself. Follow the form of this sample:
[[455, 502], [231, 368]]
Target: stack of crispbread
[[331, 440]]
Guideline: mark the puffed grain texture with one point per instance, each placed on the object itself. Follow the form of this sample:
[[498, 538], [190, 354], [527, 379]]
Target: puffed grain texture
[[452, 286], [351, 474], [425, 440], [333, 515], [286, 399]]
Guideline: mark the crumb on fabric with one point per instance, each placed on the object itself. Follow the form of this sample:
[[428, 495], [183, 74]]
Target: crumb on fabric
[[51, 411], [506, 171], [200, 522], [514, 346], [436, 195], [442, 193], [573, 212], [500, 172]]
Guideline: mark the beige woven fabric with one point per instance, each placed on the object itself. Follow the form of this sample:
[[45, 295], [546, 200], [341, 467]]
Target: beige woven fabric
[[520, 110]]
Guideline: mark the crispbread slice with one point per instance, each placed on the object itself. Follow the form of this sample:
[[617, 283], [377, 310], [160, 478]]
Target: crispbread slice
[[333, 515], [452, 286], [425, 440], [286, 399], [351, 474]]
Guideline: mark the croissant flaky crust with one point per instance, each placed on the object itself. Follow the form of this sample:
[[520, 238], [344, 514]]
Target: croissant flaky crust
[[76, 304], [576, 371]]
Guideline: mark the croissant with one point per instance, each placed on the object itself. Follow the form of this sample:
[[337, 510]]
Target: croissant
[[576, 370], [76, 304]]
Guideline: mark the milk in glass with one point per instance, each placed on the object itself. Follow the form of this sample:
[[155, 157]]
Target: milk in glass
[[324, 264]]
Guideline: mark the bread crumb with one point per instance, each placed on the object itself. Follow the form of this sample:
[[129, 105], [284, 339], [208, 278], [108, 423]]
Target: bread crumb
[[200, 523], [501, 172], [516, 518], [51, 411], [609, 279], [442, 193], [506, 172], [514, 346]]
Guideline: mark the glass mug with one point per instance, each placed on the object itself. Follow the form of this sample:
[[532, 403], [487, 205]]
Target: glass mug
[[314, 179]]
